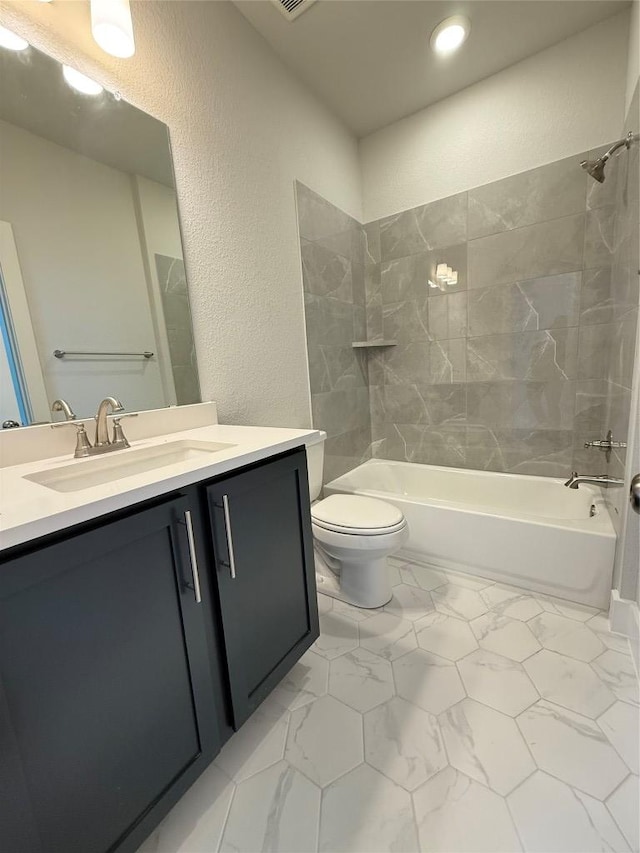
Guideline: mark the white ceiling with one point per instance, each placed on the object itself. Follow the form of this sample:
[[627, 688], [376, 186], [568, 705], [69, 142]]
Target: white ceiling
[[370, 61]]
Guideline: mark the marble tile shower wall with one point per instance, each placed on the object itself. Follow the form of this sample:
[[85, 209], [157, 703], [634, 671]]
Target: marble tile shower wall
[[509, 369], [332, 247], [624, 304]]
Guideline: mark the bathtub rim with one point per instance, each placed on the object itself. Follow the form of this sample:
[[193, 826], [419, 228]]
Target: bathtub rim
[[600, 524]]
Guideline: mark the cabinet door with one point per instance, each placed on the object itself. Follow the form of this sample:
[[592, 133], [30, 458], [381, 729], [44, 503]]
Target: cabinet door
[[105, 690], [265, 571]]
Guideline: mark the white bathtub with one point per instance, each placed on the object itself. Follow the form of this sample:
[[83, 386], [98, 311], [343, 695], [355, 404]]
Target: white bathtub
[[531, 532]]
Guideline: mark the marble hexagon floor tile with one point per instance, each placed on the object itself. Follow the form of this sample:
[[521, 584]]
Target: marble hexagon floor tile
[[445, 636], [388, 636], [325, 740], [284, 807], [621, 725], [455, 814], [498, 682], [568, 682], [458, 601], [308, 680], [600, 625], [409, 602], [572, 748], [552, 816], [361, 679], [623, 805], [338, 634], [258, 744], [617, 672], [510, 601], [358, 614], [365, 811], [504, 636], [403, 742], [422, 576], [427, 680], [566, 636], [486, 745], [579, 612], [197, 820]]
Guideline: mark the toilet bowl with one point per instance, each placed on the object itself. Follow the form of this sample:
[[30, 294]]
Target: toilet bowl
[[353, 536]]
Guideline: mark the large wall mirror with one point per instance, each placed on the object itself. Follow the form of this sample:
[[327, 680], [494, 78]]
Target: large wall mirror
[[93, 293]]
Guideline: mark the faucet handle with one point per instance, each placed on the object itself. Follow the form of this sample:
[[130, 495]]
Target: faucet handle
[[83, 445], [119, 437]]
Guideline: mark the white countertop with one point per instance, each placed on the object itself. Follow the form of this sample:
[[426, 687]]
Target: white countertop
[[29, 510]]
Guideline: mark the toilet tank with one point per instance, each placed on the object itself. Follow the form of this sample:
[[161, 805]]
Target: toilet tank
[[315, 463]]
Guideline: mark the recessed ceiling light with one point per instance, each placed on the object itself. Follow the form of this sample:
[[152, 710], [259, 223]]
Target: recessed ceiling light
[[11, 41], [81, 82], [450, 34]]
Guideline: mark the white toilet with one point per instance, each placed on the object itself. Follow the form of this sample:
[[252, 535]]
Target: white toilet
[[353, 536]]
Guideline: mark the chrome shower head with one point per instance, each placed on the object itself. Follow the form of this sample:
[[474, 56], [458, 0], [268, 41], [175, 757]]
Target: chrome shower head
[[595, 168]]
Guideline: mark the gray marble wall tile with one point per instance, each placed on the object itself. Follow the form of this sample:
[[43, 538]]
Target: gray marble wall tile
[[432, 226], [430, 405], [447, 361], [374, 318], [407, 363], [358, 287], [320, 221], [329, 321], [405, 278], [548, 192], [448, 316], [548, 248], [371, 243], [542, 303], [359, 323], [431, 445], [336, 368], [341, 411], [406, 321], [593, 350], [522, 405], [537, 356], [542, 452], [372, 281], [596, 297], [325, 273], [623, 350], [599, 245]]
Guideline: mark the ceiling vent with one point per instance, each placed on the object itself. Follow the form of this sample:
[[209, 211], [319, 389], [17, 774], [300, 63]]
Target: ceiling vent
[[291, 9]]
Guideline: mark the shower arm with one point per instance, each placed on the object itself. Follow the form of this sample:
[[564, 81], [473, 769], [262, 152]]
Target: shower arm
[[627, 142]]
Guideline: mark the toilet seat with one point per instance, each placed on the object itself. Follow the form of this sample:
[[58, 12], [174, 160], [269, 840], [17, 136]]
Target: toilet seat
[[357, 515]]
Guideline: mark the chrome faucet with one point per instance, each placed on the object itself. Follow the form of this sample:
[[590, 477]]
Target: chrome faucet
[[576, 480], [102, 433]]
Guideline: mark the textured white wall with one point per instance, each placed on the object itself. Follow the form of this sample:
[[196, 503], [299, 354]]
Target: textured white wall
[[242, 129], [566, 99]]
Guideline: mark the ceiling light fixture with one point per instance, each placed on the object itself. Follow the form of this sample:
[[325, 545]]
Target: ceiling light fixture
[[80, 82], [112, 27], [450, 34], [11, 41]]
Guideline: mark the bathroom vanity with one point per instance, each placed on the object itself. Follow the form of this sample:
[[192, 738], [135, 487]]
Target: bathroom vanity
[[141, 624]]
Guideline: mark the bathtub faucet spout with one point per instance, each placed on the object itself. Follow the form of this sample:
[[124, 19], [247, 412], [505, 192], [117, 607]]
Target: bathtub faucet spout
[[576, 480]]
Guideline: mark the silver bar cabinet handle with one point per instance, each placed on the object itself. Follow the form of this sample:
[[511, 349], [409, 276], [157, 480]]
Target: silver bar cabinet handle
[[227, 530], [192, 554]]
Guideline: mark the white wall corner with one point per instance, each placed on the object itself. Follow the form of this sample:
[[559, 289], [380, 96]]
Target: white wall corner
[[624, 618]]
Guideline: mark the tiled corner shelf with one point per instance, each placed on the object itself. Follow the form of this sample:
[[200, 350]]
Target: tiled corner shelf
[[363, 344]]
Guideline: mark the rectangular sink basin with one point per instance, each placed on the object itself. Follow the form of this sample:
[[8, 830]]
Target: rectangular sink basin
[[113, 466]]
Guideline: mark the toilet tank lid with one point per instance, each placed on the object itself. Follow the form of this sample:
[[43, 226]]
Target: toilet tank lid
[[356, 511]]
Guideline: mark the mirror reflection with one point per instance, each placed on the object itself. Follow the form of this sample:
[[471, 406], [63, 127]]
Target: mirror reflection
[[93, 292]]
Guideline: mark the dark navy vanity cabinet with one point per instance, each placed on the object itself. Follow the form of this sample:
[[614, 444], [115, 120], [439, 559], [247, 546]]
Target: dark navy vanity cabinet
[[129, 652]]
